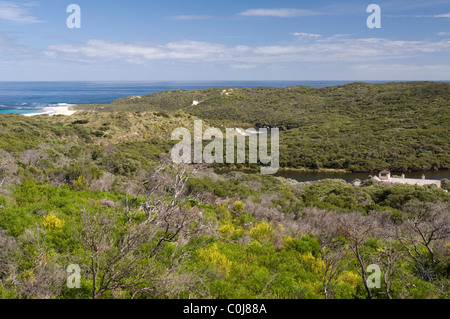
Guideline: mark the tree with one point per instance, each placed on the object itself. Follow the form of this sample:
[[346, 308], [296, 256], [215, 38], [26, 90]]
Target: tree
[[8, 167], [33, 157], [388, 258], [423, 237], [357, 228], [333, 251], [126, 252], [8, 249], [43, 277], [115, 254], [445, 184]]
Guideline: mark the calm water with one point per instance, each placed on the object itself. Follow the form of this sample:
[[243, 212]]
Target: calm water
[[32, 97], [349, 177]]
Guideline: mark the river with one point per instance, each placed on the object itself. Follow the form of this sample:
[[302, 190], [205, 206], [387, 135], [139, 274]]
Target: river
[[307, 176]]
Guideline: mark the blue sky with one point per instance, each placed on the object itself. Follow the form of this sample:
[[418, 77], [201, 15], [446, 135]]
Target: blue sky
[[142, 40]]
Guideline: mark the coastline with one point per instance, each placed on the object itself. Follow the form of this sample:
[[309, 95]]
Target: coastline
[[55, 110]]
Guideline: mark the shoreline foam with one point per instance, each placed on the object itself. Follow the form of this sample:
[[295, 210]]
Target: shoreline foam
[[61, 109]]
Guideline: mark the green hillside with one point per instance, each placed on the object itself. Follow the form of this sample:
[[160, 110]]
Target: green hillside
[[359, 126], [95, 195]]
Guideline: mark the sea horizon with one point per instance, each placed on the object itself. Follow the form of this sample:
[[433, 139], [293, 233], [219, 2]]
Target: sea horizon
[[41, 97]]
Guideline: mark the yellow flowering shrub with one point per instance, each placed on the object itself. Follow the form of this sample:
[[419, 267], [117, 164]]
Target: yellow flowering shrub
[[262, 231], [315, 265], [350, 277], [29, 276], [222, 211], [213, 257], [81, 184], [287, 240], [226, 230], [238, 207], [52, 222]]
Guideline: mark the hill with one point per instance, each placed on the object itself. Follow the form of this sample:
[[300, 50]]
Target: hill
[[358, 126], [92, 196]]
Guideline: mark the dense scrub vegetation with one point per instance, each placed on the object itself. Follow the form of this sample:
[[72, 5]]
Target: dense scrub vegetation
[[237, 236], [359, 126], [96, 190]]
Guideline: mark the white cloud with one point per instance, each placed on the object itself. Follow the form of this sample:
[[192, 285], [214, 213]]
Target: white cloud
[[321, 49], [443, 34], [110, 50], [404, 71], [9, 49], [244, 66], [446, 15], [397, 67], [16, 12], [306, 35], [190, 17], [280, 13], [337, 57]]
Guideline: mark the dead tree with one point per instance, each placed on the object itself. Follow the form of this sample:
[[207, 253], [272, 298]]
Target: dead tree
[[333, 252], [112, 250], [424, 232], [8, 261], [8, 167], [45, 278], [357, 228], [388, 258], [33, 157], [123, 254]]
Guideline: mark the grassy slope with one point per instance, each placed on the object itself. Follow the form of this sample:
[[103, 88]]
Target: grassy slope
[[85, 144], [18, 133], [359, 126]]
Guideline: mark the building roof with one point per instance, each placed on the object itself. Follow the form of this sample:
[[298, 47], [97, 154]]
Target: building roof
[[414, 181]]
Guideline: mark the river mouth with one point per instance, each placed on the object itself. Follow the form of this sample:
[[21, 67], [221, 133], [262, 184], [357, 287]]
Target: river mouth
[[310, 176], [317, 175]]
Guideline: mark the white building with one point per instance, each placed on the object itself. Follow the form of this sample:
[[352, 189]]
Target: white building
[[385, 176]]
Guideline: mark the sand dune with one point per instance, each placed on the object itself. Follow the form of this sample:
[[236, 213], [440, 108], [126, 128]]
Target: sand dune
[[59, 110]]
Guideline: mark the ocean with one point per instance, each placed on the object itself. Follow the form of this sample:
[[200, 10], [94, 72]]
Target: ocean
[[30, 98]]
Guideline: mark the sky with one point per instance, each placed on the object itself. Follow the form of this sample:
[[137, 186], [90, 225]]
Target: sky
[[184, 40]]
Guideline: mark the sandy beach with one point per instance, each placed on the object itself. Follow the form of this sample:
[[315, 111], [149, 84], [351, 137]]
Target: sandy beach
[[55, 110], [59, 110]]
